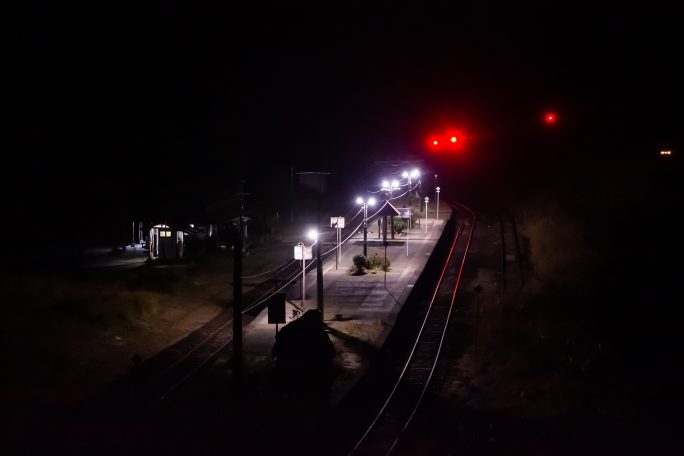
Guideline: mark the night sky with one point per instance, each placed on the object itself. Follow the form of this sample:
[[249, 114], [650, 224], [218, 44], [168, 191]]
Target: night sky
[[119, 106]]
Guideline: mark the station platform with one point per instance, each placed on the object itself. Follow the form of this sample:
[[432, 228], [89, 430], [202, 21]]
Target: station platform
[[359, 310]]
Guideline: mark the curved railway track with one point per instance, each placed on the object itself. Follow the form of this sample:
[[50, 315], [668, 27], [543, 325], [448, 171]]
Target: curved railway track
[[154, 381], [394, 416]]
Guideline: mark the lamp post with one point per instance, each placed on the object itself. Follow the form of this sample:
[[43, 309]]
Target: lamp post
[[426, 215], [364, 204], [410, 176], [437, 190], [338, 224], [313, 235], [389, 187], [237, 289]]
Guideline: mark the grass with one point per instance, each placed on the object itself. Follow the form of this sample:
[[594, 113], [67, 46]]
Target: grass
[[555, 351], [102, 304]]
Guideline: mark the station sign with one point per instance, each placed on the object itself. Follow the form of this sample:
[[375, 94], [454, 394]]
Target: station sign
[[302, 252], [337, 222], [404, 212]]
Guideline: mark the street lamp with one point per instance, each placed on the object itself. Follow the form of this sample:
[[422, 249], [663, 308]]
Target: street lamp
[[389, 187], [410, 176], [364, 204], [313, 235], [437, 190], [426, 217]]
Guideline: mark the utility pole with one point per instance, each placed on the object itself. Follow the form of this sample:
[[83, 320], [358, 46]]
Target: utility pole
[[319, 263], [292, 194], [237, 290]]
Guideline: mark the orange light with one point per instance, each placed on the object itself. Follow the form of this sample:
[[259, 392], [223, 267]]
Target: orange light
[[454, 139], [665, 152]]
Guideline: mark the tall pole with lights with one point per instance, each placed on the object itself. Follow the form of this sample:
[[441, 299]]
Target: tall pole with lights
[[237, 289], [389, 187], [410, 176], [364, 204], [313, 234], [437, 190]]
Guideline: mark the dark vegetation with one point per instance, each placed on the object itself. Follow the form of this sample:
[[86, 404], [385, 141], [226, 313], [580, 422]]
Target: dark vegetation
[[590, 349], [372, 263]]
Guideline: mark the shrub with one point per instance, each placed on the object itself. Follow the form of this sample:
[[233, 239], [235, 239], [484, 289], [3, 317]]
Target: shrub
[[377, 261], [399, 225], [360, 262]]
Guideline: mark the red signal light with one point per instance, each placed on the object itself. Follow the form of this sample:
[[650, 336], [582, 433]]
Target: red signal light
[[450, 140], [550, 118]]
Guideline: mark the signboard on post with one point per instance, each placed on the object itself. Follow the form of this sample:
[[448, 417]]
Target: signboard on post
[[337, 222], [303, 252], [404, 212]]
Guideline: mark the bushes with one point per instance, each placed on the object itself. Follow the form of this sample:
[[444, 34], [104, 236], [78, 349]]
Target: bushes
[[360, 263], [399, 225], [375, 262], [379, 262]]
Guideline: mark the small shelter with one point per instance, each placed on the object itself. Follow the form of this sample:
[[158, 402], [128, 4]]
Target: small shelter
[[387, 210], [166, 243]]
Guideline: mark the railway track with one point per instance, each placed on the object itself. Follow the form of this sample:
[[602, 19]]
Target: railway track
[[153, 382], [394, 416]]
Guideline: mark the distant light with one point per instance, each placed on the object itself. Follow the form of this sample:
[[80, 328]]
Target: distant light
[[359, 200], [435, 142], [415, 173], [395, 183], [665, 152], [371, 201], [313, 235], [550, 118], [454, 139]]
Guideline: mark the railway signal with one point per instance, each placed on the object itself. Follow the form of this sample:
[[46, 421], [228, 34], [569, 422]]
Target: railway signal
[[449, 141]]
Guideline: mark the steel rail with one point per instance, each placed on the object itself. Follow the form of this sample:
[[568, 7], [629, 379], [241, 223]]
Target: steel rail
[[410, 387]]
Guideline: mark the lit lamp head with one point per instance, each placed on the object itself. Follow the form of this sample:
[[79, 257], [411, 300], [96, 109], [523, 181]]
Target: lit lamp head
[[395, 184], [312, 234], [369, 202]]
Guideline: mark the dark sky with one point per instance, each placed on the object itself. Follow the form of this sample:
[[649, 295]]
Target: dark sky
[[115, 101]]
